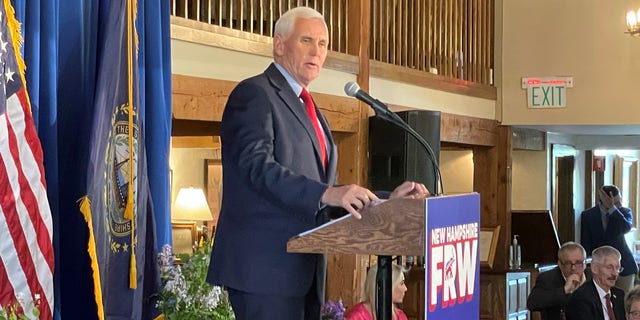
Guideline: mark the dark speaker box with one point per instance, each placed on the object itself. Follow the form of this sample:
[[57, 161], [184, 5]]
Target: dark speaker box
[[396, 156]]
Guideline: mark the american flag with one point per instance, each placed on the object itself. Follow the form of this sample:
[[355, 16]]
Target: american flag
[[26, 250]]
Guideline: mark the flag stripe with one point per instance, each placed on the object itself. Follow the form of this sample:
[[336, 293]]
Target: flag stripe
[[26, 250], [19, 224], [33, 194], [15, 250], [31, 138], [39, 214], [6, 252], [10, 226], [10, 265], [6, 291]]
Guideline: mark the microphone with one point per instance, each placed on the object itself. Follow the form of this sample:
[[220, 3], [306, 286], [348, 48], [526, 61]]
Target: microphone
[[352, 89]]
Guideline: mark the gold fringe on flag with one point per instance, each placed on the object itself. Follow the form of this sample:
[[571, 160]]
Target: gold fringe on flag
[[16, 40], [85, 208], [133, 270], [128, 213]]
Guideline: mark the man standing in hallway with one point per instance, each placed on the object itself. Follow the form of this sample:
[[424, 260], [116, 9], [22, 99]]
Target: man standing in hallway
[[606, 224]]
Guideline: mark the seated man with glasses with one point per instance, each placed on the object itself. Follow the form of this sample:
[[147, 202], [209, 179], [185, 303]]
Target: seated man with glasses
[[632, 303], [599, 299], [551, 292]]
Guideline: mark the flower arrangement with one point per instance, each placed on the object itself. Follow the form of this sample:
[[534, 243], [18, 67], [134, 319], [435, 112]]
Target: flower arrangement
[[14, 310], [185, 294], [332, 310]]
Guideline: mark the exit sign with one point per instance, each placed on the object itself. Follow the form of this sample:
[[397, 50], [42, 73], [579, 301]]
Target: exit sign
[[547, 92]]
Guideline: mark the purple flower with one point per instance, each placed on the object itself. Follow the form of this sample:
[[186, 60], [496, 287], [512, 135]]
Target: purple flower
[[332, 310]]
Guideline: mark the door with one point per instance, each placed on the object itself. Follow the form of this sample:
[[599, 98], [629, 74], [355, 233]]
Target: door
[[564, 212]]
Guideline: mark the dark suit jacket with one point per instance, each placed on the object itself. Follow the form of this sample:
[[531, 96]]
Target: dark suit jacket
[[273, 180], [585, 304], [593, 235], [548, 296]]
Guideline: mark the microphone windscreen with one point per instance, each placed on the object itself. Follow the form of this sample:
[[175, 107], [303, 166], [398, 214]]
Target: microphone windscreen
[[351, 88]]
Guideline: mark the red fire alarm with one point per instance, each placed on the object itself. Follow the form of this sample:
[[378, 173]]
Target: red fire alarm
[[598, 163]]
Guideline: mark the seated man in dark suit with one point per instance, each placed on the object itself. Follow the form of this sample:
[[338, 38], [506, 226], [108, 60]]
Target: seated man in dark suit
[[551, 292], [599, 299]]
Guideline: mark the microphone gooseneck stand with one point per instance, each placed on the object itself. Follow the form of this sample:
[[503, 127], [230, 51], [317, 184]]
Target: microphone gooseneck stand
[[384, 275], [393, 118], [383, 288]]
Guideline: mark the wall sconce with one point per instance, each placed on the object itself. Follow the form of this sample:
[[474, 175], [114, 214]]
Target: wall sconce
[[190, 206], [633, 23]]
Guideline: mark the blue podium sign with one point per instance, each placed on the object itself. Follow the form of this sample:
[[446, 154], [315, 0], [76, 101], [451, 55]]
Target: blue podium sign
[[452, 274]]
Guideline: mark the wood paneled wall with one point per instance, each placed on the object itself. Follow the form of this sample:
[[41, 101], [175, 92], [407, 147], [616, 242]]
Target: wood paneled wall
[[198, 104]]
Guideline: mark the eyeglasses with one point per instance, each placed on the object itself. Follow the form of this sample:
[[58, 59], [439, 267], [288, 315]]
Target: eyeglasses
[[611, 267], [635, 314], [570, 264]]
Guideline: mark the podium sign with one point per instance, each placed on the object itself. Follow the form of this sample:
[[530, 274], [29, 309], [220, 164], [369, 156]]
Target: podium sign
[[444, 229], [452, 274]]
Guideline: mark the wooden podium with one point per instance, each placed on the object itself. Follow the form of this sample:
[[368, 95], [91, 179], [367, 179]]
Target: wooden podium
[[444, 229]]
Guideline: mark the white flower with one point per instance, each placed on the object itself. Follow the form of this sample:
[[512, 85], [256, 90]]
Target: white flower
[[212, 298], [185, 291], [20, 297]]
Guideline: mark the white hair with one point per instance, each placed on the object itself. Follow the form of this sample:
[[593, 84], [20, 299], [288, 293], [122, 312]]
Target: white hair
[[599, 254], [286, 22]]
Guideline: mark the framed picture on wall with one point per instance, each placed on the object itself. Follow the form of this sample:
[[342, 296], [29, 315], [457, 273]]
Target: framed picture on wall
[[213, 187], [184, 236], [488, 244]]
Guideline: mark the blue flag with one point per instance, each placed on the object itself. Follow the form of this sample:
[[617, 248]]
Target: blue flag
[[118, 208]]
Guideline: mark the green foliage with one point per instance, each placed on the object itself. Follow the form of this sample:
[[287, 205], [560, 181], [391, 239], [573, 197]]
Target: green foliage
[[13, 311], [185, 294]]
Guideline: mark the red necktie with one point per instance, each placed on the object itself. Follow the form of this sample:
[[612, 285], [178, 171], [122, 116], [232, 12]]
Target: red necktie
[[612, 316], [311, 112]]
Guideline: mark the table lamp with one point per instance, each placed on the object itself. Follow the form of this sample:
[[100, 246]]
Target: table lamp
[[191, 205]]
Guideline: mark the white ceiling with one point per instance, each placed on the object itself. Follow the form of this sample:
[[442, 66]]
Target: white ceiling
[[590, 130], [593, 137]]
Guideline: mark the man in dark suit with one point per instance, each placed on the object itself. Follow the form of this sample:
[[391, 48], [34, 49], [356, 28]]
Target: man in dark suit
[[606, 224], [279, 172], [599, 299], [551, 292]]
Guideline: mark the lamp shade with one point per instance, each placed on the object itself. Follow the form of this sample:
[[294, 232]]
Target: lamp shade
[[191, 205]]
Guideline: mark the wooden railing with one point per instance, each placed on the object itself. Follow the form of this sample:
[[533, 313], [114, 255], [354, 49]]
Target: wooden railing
[[453, 38], [449, 37]]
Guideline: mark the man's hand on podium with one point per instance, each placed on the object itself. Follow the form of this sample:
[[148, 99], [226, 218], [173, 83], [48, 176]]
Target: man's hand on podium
[[353, 197], [350, 197], [410, 189]]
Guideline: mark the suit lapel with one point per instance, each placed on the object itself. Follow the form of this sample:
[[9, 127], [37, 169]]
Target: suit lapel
[[617, 300], [332, 153], [296, 107], [597, 216], [595, 299]]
